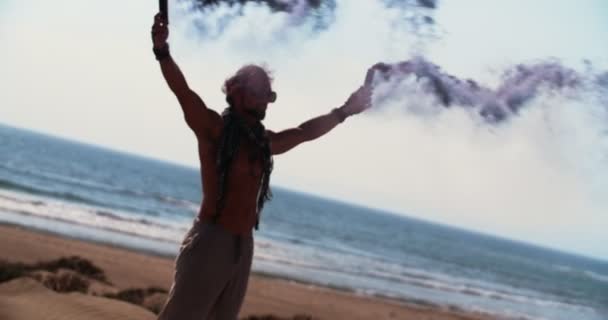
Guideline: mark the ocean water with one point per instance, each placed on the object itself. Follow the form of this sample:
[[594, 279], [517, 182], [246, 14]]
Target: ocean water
[[101, 195]]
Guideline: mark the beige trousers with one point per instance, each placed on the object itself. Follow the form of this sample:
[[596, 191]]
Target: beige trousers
[[211, 275]]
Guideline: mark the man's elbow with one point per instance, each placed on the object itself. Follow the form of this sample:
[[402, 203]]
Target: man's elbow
[[305, 134]]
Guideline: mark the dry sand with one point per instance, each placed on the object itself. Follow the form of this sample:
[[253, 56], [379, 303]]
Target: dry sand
[[25, 299]]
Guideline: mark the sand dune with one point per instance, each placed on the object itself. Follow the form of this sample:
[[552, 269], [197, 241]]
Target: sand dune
[[26, 298]]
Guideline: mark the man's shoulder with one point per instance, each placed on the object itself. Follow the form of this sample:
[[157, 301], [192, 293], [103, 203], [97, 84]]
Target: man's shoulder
[[212, 131]]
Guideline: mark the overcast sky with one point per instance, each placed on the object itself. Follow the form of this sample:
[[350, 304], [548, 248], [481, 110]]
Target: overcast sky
[[84, 70]]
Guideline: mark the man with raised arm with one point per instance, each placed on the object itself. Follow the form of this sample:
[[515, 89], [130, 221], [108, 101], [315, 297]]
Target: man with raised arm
[[235, 152]]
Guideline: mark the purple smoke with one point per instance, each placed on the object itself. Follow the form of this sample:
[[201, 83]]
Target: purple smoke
[[518, 85], [288, 5], [415, 12]]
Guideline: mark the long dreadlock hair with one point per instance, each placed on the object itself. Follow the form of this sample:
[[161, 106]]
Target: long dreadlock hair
[[234, 130]]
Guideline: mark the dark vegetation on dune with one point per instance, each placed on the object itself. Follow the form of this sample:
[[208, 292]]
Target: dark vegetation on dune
[[152, 298], [9, 270], [75, 274], [135, 295]]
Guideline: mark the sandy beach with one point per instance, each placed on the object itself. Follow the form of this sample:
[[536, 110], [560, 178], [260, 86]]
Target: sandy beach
[[26, 298]]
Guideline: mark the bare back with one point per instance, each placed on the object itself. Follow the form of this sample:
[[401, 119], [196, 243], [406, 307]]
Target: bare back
[[239, 214]]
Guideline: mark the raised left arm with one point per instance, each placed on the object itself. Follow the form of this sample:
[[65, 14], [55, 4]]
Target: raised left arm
[[312, 129]]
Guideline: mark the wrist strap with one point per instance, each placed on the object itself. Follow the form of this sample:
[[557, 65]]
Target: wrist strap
[[162, 52]]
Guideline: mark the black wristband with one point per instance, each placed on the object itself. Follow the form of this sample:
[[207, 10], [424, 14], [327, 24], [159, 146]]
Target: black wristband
[[338, 112], [162, 52]]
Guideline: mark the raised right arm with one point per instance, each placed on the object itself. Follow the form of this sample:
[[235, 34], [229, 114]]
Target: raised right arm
[[202, 120]]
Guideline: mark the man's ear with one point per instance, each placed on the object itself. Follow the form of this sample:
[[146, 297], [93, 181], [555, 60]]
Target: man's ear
[[272, 97]]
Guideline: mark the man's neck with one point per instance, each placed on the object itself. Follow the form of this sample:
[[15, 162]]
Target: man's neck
[[249, 119]]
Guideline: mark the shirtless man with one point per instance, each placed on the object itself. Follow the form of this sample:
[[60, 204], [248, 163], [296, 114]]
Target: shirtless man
[[235, 152]]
